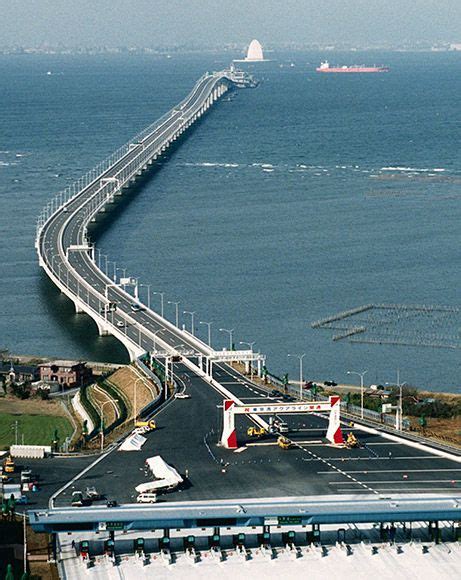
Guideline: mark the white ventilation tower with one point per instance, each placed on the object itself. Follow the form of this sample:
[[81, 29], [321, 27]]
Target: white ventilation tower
[[255, 51]]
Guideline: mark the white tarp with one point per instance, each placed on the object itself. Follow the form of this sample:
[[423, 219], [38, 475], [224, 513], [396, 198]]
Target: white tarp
[[133, 443], [165, 476]]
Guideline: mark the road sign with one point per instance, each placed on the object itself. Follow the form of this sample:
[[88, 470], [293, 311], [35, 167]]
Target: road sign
[[289, 520], [111, 526], [128, 281]]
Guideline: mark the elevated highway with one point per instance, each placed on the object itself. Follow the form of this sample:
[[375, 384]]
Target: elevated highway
[[73, 263]]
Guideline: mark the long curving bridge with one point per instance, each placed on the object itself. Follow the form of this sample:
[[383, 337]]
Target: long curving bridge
[[73, 263]]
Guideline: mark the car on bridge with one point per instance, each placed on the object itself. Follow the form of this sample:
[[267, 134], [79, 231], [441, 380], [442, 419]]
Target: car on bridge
[[182, 395], [135, 307]]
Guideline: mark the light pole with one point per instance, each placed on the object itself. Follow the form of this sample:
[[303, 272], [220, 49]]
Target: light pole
[[105, 258], [102, 420], [209, 330], [250, 345], [155, 334], [135, 405], [114, 277], [300, 357], [122, 270], [361, 375], [148, 293], [161, 294], [399, 423], [192, 314], [177, 310], [230, 333]]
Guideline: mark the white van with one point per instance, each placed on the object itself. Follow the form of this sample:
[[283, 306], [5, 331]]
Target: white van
[[147, 498]]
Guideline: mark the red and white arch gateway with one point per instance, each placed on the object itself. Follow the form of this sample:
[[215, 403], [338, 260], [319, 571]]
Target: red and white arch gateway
[[232, 408]]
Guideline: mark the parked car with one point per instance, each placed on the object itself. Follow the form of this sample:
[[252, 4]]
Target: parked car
[[182, 395], [147, 498], [77, 499], [92, 493], [330, 383]]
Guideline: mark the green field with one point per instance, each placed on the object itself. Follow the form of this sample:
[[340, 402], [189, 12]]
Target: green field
[[37, 429]]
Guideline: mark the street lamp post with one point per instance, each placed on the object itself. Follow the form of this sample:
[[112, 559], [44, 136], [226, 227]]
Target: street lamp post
[[155, 334], [300, 357], [122, 270], [161, 294], [230, 333], [361, 375], [102, 420], [399, 385], [148, 293], [192, 314], [250, 346], [105, 258], [114, 277], [209, 330], [135, 398], [177, 310]]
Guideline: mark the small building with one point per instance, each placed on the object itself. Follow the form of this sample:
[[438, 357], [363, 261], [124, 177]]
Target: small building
[[68, 373], [11, 373]]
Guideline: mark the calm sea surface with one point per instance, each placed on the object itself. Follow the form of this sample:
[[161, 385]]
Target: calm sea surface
[[306, 197]]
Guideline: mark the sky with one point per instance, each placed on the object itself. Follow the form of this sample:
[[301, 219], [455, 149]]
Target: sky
[[219, 22]]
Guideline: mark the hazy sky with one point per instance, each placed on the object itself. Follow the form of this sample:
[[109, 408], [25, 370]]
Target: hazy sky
[[172, 22]]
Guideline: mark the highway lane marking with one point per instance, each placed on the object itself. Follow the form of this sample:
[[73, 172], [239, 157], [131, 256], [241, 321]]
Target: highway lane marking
[[337, 469], [401, 481], [229, 382], [399, 490], [384, 443], [385, 458], [266, 443], [405, 470]]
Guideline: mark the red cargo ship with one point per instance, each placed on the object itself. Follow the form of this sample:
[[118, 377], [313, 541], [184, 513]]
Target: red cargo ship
[[326, 68]]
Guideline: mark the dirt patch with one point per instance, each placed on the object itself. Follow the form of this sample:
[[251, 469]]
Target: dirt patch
[[98, 397], [445, 430], [33, 406], [127, 380]]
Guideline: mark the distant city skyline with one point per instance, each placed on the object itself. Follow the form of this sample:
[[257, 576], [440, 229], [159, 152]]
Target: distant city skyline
[[116, 23]]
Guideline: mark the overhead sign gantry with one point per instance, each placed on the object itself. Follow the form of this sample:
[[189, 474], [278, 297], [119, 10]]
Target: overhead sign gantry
[[231, 408]]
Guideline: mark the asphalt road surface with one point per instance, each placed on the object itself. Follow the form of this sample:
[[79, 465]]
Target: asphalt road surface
[[188, 432]]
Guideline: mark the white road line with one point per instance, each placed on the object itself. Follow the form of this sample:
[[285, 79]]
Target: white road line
[[394, 470], [240, 449], [399, 490], [385, 458], [401, 481], [384, 443], [267, 443]]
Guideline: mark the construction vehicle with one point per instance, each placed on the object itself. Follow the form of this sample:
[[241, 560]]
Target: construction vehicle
[[8, 465], [147, 425], [256, 431], [284, 442], [352, 441], [276, 425]]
